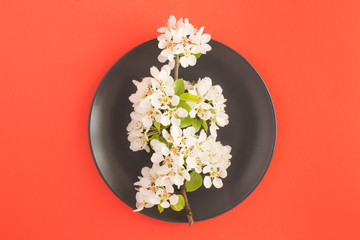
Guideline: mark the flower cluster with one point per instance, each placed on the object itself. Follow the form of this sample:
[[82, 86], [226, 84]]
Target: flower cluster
[[167, 115], [178, 120], [183, 39]]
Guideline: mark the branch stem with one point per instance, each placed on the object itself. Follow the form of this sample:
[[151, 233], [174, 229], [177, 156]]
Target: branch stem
[[176, 68], [188, 211]]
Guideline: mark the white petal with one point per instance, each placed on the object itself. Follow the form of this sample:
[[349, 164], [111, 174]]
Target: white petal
[[181, 112], [180, 160], [192, 60], [165, 204], [162, 75], [162, 37], [186, 175], [154, 199], [158, 117], [207, 181], [217, 182], [172, 64], [190, 141], [175, 121], [177, 37], [161, 30], [206, 37], [189, 131], [192, 113], [147, 121], [175, 131], [170, 57], [178, 180], [175, 100], [201, 30], [213, 129], [198, 169], [145, 171], [169, 90], [155, 101], [166, 52], [183, 62], [157, 158], [162, 44], [165, 120], [169, 188], [174, 199], [172, 21], [162, 58], [134, 98], [154, 72], [166, 68], [202, 136], [190, 161], [222, 173], [207, 47], [165, 150], [154, 143], [206, 169], [135, 82], [165, 134]]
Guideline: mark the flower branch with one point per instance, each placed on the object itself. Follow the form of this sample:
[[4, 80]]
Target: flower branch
[[177, 121]]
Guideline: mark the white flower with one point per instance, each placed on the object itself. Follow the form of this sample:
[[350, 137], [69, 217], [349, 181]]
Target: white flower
[[201, 42], [172, 116], [216, 173], [215, 94], [183, 39], [188, 59], [202, 110], [138, 141], [222, 118], [177, 174], [161, 151], [171, 24], [167, 198], [143, 90], [203, 86]]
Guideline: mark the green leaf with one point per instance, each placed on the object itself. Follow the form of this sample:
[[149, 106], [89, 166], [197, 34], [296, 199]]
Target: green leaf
[[180, 204], [179, 86], [185, 122], [160, 208], [204, 124], [184, 105], [194, 183], [197, 55], [189, 97], [196, 124], [157, 125]]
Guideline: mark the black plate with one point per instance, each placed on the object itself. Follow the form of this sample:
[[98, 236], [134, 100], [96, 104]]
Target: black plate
[[251, 132]]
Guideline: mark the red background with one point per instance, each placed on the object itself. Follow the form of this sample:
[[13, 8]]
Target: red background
[[53, 55]]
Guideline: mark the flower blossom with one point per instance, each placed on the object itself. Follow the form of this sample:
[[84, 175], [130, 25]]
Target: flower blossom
[[183, 39]]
